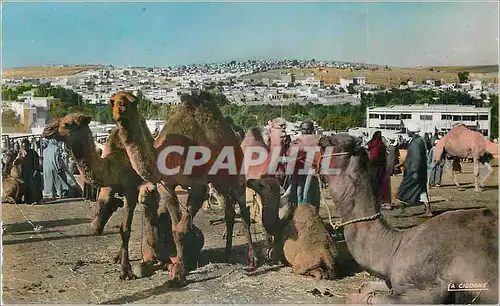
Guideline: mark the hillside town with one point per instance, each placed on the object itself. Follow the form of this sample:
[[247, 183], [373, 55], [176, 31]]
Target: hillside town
[[235, 80]]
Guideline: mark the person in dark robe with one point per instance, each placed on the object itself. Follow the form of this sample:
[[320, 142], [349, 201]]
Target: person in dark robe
[[427, 142], [413, 188], [30, 172], [378, 157], [435, 167]]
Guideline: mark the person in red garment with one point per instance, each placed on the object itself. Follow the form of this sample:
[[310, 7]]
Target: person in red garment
[[377, 154]]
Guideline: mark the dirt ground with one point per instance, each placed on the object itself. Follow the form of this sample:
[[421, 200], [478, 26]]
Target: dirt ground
[[62, 262]]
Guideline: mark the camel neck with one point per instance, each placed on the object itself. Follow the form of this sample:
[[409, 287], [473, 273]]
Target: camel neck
[[371, 243], [94, 169], [140, 147]]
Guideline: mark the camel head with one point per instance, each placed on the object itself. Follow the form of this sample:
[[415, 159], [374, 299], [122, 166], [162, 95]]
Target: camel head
[[124, 106], [346, 167], [71, 129], [268, 188]]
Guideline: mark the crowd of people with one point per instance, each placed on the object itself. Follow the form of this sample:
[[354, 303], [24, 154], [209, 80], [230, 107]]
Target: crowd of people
[[421, 169], [46, 176]]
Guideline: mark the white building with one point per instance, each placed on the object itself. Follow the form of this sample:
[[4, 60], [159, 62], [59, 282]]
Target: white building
[[440, 116]]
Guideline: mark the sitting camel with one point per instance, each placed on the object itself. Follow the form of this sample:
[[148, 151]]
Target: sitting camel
[[193, 123], [13, 184], [300, 237], [462, 142], [418, 264], [115, 173]]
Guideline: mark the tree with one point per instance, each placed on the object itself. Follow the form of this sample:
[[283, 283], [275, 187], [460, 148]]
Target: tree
[[463, 76], [9, 118], [11, 93]]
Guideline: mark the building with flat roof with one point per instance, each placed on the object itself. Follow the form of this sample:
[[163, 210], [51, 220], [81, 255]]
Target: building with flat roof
[[440, 116]]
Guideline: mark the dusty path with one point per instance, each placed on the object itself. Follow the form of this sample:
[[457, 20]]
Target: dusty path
[[63, 263]]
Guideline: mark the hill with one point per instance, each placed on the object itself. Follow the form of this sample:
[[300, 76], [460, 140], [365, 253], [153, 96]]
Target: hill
[[41, 72], [389, 76]]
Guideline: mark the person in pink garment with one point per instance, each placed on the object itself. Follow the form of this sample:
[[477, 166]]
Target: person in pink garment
[[377, 154]]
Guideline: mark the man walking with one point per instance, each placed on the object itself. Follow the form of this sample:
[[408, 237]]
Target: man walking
[[413, 188]]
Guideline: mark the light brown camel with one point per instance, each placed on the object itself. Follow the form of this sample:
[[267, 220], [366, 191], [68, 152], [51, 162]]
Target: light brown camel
[[420, 263], [279, 142], [193, 123], [462, 142], [113, 172], [301, 238], [13, 184]]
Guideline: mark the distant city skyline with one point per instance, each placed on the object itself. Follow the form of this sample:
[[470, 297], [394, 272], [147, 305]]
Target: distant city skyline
[[170, 34]]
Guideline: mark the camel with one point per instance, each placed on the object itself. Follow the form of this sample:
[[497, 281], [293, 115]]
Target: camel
[[301, 238], [12, 185], [193, 123], [279, 142], [462, 142], [115, 173], [417, 264]]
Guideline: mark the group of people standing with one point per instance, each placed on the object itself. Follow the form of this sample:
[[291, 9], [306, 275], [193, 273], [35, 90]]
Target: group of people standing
[[45, 178], [414, 187]]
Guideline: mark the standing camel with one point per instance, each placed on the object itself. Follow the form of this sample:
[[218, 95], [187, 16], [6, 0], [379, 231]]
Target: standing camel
[[462, 142], [115, 173], [194, 123], [417, 264]]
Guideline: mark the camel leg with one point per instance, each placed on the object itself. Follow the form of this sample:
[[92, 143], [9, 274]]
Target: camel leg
[[149, 197], [476, 175], [229, 216], [488, 174], [449, 167], [411, 296], [9, 199], [125, 230], [245, 215], [180, 224]]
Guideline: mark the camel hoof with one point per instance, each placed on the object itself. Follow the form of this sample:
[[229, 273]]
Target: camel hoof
[[177, 275], [126, 274], [144, 269], [479, 190]]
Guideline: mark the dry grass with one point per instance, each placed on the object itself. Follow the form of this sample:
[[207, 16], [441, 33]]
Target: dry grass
[[13, 129], [392, 76], [41, 72]]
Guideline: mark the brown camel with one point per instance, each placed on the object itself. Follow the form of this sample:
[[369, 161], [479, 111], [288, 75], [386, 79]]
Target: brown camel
[[301, 238], [12, 185], [115, 173], [462, 142], [193, 123], [420, 263]]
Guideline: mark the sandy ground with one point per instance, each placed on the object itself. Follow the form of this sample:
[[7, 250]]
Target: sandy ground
[[64, 263]]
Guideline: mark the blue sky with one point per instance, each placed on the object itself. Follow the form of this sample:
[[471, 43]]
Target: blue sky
[[162, 34]]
